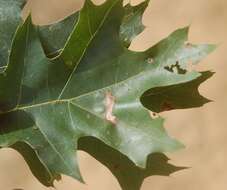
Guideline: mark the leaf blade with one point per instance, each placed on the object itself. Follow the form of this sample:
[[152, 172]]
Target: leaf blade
[[97, 95]]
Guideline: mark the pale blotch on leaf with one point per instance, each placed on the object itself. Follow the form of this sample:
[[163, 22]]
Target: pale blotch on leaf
[[109, 103], [150, 60]]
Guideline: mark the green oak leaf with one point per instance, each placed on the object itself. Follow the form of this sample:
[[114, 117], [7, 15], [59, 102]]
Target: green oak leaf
[[94, 87]]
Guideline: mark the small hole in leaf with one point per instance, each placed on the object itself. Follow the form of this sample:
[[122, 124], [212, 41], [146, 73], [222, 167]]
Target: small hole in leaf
[[150, 60], [153, 115]]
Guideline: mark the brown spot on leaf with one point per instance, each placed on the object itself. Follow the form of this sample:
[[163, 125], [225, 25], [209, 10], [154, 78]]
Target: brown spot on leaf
[[116, 166], [58, 177], [166, 106], [109, 103]]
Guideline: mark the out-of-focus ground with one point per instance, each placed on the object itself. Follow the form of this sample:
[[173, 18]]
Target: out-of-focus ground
[[203, 130]]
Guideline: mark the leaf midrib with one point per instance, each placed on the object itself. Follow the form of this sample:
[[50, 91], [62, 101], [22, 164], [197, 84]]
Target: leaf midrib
[[58, 101]]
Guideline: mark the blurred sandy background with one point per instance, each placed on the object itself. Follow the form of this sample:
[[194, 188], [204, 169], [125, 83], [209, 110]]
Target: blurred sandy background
[[202, 130]]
